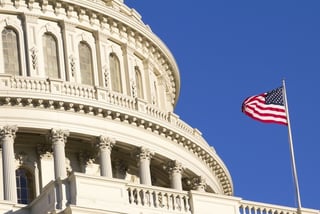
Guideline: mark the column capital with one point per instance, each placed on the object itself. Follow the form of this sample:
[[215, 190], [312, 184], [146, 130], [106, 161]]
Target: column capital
[[174, 166], [58, 135], [105, 143], [199, 183], [8, 131], [144, 153]]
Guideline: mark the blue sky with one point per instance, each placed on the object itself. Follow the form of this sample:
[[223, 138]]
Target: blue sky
[[229, 50]]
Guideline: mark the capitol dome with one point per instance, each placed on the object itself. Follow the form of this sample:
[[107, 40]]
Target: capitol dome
[[87, 96]]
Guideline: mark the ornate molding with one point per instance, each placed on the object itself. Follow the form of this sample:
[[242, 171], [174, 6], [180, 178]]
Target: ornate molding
[[144, 154], [58, 136], [165, 131], [174, 166], [8, 131], [105, 143]]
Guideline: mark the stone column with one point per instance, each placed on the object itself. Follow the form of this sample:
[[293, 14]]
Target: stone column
[[7, 136], [105, 145], [144, 157], [58, 139], [175, 172], [199, 184]]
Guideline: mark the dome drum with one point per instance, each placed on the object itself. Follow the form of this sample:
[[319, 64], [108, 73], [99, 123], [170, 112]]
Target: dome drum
[[88, 92]]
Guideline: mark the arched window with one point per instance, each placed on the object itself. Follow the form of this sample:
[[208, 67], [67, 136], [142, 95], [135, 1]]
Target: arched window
[[86, 66], [115, 73], [139, 84], [50, 56], [25, 186], [10, 45]]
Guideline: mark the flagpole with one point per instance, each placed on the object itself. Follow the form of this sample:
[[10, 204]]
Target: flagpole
[[294, 170]]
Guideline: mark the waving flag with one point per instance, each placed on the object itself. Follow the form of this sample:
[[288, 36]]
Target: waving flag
[[267, 107]]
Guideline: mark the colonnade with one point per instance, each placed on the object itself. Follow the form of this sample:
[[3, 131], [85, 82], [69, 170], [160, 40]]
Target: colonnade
[[58, 140]]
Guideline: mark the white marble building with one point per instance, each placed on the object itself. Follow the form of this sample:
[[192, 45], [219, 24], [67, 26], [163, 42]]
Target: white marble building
[[87, 97]]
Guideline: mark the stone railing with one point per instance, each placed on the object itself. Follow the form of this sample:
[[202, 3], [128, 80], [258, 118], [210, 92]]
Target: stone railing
[[86, 192], [77, 90], [29, 91], [159, 198], [249, 207]]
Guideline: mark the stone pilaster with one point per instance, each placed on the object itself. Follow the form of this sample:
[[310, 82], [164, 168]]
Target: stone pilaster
[[144, 156], [175, 170], [199, 184], [7, 136], [46, 164], [105, 145], [58, 138]]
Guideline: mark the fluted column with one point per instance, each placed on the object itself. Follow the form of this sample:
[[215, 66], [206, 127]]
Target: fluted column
[[58, 139], [7, 135], [144, 157], [105, 145], [175, 172]]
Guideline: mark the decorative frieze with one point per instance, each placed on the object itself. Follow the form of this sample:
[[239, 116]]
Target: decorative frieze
[[139, 122]]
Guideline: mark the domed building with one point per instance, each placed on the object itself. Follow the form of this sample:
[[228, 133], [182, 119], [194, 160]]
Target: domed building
[[87, 98]]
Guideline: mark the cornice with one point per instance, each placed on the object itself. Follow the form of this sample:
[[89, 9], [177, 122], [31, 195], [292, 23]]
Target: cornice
[[98, 102], [123, 24]]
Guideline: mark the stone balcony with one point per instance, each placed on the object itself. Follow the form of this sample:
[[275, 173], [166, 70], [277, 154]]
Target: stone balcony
[[66, 97], [80, 193]]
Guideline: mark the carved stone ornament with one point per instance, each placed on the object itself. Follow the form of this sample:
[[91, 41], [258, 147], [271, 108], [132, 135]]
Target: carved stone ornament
[[198, 183], [34, 57], [58, 135], [134, 89], [8, 131], [174, 166], [72, 65], [105, 142], [144, 153]]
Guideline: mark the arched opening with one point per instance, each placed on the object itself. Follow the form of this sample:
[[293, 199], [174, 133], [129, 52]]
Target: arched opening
[[115, 73], [25, 186], [10, 48], [139, 84], [86, 66], [50, 56]]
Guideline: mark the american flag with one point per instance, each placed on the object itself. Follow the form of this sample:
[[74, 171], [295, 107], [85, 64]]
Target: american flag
[[267, 107]]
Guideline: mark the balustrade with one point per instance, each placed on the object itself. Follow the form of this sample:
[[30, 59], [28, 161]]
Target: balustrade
[[249, 207], [159, 198]]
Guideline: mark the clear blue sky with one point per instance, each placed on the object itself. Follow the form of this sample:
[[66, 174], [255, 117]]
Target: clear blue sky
[[228, 50]]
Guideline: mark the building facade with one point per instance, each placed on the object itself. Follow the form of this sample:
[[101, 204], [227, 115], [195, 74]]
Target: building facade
[[87, 97]]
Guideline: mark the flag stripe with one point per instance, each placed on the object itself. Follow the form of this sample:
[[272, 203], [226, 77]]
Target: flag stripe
[[267, 107]]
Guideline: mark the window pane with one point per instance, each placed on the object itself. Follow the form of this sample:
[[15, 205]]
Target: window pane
[[50, 55], [115, 73], [10, 51], [25, 191], [85, 64]]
